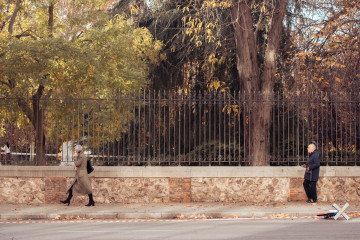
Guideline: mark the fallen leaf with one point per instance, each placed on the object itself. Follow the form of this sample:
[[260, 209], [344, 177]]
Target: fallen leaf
[[280, 215], [181, 216]]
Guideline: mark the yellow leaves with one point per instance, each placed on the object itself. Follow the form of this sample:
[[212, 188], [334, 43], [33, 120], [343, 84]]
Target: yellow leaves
[[91, 71], [212, 58], [337, 79], [329, 63], [231, 109], [209, 4], [225, 4], [210, 38], [193, 26], [263, 8], [134, 9], [222, 60], [303, 54], [215, 85], [186, 9]]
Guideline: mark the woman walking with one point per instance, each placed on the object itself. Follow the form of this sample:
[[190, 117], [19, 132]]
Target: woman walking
[[81, 184]]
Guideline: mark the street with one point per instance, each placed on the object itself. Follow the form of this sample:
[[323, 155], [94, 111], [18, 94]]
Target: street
[[226, 229]]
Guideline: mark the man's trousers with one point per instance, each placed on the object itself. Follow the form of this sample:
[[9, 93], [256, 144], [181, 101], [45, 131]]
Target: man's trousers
[[310, 189]]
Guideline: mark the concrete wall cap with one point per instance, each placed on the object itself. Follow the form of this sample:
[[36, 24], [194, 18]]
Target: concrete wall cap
[[177, 172]]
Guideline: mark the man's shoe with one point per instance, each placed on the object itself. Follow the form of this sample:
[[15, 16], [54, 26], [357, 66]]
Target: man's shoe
[[309, 201]]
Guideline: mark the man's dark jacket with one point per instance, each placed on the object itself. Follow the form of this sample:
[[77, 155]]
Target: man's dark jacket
[[314, 165]]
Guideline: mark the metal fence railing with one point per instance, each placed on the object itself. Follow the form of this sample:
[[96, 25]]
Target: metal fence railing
[[182, 129]]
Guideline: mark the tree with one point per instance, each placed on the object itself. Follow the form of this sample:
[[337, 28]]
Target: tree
[[254, 77], [326, 64], [212, 44], [328, 41], [51, 49]]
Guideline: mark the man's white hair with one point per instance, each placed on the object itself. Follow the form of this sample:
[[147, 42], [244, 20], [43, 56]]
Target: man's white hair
[[313, 146]]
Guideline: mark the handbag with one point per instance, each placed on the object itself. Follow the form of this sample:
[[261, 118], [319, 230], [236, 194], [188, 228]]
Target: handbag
[[89, 167]]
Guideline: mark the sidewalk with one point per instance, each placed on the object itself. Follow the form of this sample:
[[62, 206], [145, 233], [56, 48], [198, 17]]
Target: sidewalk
[[169, 211]]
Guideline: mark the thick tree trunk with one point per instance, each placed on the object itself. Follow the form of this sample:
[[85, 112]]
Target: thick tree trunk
[[260, 114], [35, 116]]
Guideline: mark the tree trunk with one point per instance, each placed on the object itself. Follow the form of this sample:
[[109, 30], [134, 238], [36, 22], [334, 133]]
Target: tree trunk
[[261, 141], [36, 116], [261, 117], [39, 131], [260, 113], [51, 20]]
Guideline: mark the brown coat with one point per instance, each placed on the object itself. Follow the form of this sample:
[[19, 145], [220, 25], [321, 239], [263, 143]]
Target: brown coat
[[81, 184]]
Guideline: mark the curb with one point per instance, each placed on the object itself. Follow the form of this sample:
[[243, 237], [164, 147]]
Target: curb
[[144, 220], [153, 215]]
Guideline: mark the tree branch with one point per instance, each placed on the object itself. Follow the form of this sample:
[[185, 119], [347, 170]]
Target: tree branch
[[39, 92], [25, 35], [273, 45], [10, 84], [13, 17], [2, 25], [51, 20], [258, 24], [5, 83], [26, 109]]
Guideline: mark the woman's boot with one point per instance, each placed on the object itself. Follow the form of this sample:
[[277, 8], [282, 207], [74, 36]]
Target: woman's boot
[[67, 201], [91, 201]]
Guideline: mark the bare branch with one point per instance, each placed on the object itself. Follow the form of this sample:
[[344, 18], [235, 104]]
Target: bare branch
[[25, 35]]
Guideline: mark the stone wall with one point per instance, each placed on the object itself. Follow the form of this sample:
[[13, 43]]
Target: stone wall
[[240, 190], [156, 185], [22, 190]]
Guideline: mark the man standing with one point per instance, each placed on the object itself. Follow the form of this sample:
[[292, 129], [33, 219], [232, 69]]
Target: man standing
[[312, 173], [7, 152]]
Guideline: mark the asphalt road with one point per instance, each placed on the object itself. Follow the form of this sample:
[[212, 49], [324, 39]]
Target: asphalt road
[[186, 230]]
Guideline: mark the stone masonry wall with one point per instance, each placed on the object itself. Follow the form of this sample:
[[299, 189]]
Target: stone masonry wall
[[240, 189], [22, 190], [163, 189]]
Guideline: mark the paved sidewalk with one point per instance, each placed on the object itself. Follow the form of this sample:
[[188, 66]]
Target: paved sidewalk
[[169, 211]]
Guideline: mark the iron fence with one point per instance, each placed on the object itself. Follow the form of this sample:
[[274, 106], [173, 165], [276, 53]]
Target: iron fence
[[183, 129]]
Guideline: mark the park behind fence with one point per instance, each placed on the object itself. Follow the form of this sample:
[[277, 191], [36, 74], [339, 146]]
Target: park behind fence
[[184, 129]]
